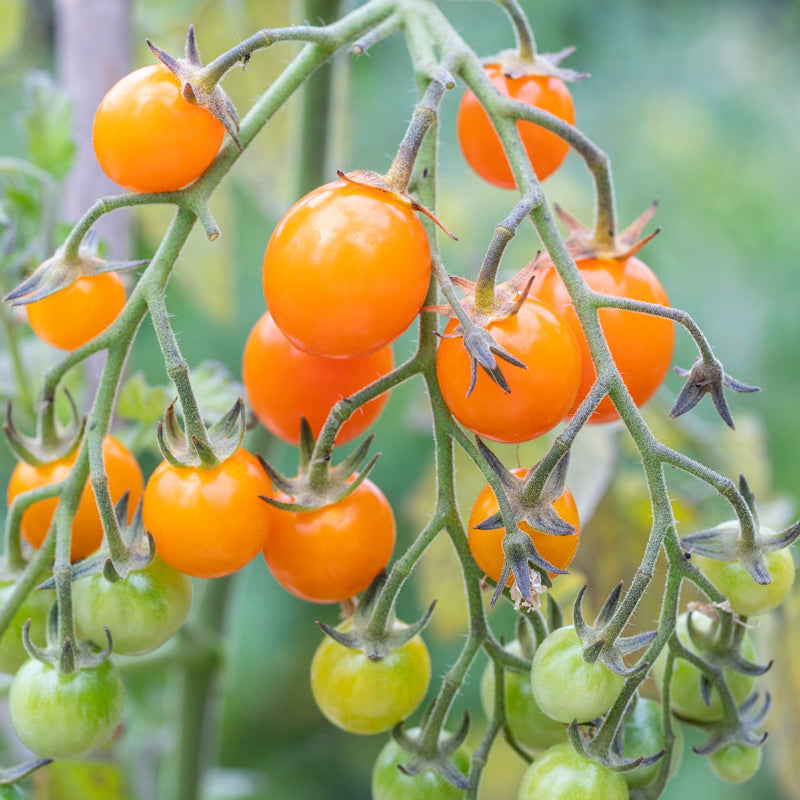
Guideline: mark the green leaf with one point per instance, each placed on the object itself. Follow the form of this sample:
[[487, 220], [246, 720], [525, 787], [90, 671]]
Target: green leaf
[[215, 388], [46, 121], [141, 402]]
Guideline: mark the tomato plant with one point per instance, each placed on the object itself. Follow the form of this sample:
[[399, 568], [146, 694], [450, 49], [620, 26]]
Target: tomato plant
[[35, 608], [540, 395], [565, 686], [332, 553], [208, 522], [487, 546], [529, 724], [640, 344], [364, 696], [123, 473], [335, 265], [284, 384], [78, 313], [141, 611], [65, 716], [148, 138], [479, 141], [735, 763], [562, 774]]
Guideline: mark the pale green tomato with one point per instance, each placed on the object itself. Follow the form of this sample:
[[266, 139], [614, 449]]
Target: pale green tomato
[[34, 607], [529, 724], [643, 735], [734, 763]]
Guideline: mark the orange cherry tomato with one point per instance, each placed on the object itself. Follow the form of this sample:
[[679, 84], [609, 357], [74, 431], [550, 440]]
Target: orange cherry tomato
[[208, 522], [332, 553], [480, 143], [284, 383], [123, 473], [148, 138], [487, 546], [346, 270], [540, 395], [640, 344], [71, 317]]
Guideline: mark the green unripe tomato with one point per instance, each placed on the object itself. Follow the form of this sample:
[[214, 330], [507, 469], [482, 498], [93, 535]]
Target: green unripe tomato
[[565, 686], [735, 763], [388, 783], [562, 774], [34, 607], [643, 735], [685, 697], [748, 598], [142, 611], [529, 724], [65, 716]]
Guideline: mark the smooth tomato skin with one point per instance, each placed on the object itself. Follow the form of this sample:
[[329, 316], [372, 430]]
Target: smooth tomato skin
[[65, 716], [529, 724], [84, 309], [332, 553], [748, 598], [124, 475], [35, 608], [388, 783], [735, 763], [541, 395], [562, 774], [141, 611], [284, 383], [685, 697], [148, 138], [346, 270], [208, 522], [480, 143], [565, 686], [643, 735], [487, 546], [640, 344], [366, 697]]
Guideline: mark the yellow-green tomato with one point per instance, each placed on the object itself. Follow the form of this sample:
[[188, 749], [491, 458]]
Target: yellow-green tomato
[[529, 724], [388, 783], [34, 607], [643, 735], [141, 612], [565, 686], [562, 774], [65, 716], [685, 697], [735, 763], [363, 696], [748, 598]]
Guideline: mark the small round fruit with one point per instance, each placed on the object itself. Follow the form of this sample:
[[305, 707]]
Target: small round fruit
[[685, 697], [640, 344], [748, 598], [562, 774], [141, 611], [565, 686], [487, 546], [79, 312], [363, 696], [389, 783], [148, 138], [529, 724], [346, 270], [540, 396], [208, 522], [123, 473], [65, 716], [735, 763], [284, 384], [35, 608], [332, 553], [480, 143], [643, 735]]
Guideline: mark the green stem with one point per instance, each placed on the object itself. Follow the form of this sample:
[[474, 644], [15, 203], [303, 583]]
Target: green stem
[[526, 44], [20, 375]]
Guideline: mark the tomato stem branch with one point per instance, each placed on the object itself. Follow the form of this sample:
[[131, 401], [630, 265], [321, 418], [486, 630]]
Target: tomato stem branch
[[526, 44]]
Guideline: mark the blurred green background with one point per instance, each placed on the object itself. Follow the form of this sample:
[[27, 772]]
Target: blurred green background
[[697, 105]]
